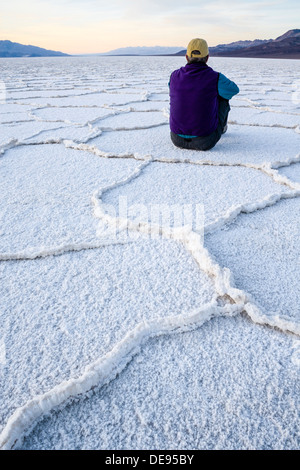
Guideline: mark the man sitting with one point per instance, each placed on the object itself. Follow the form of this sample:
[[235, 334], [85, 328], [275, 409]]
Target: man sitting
[[199, 101]]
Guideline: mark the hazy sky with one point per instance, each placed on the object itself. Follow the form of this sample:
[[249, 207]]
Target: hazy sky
[[88, 26]]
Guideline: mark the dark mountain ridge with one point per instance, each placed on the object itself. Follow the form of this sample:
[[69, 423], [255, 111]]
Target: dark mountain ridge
[[285, 46], [14, 49]]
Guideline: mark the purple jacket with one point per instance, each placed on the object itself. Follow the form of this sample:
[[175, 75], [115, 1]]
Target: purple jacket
[[194, 100]]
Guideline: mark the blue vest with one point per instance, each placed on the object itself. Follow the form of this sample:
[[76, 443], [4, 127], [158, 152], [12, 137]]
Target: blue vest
[[194, 100]]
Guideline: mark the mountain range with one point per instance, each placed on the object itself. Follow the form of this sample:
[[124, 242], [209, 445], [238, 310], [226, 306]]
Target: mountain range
[[144, 50], [14, 49], [285, 46]]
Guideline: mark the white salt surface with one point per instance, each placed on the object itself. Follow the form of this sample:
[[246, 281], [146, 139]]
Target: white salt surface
[[26, 130], [88, 99], [63, 312], [71, 115], [54, 207], [10, 118], [261, 116], [209, 186], [36, 92], [65, 132], [262, 250], [10, 108], [292, 172], [145, 106], [83, 310], [287, 105], [209, 388], [133, 120]]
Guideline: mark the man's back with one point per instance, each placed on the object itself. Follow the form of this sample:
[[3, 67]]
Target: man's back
[[194, 100]]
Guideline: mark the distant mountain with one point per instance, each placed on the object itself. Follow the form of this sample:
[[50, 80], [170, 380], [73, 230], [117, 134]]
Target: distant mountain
[[231, 46], [238, 45], [285, 46], [155, 50], [241, 44], [292, 33], [14, 49]]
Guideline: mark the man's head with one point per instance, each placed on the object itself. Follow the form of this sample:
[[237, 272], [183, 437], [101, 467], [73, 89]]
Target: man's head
[[197, 51]]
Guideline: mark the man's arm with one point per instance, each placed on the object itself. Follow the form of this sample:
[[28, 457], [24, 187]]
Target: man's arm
[[226, 88]]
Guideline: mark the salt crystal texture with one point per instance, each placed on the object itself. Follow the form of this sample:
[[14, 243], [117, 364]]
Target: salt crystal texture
[[121, 333]]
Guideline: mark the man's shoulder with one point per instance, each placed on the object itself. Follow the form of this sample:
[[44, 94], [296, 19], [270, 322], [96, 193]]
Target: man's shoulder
[[178, 70], [212, 70], [175, 73]]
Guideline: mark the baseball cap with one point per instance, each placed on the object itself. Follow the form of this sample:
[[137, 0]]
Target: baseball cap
[[197, 45]]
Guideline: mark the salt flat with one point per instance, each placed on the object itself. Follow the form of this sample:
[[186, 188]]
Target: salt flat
[[228, 358], [122, 333]]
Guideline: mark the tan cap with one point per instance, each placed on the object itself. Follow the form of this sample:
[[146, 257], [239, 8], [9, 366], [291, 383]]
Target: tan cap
[[197, 45]]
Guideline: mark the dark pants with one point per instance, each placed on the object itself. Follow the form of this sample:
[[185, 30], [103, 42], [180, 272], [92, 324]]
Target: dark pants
[[209, 141]]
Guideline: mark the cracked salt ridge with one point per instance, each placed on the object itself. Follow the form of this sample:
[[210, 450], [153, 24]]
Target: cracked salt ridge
[[14, 118], [187, 237], [241, 144], [54, 134], [261, 117], [195, 184], [223, 279], [31, 253], [104, 370], [77, 133], [143, 106], [98, 99], [52, 93], [235, 210], [291, 172], [132, 120], [282, 107], [259, 109], [261, 250], [275, 106], [8, 108], [8, 145], [97, 284], [52, 212], [117, 119], [127, 90], [26, 130], [81, 116], [241, 381], [264, 95]]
